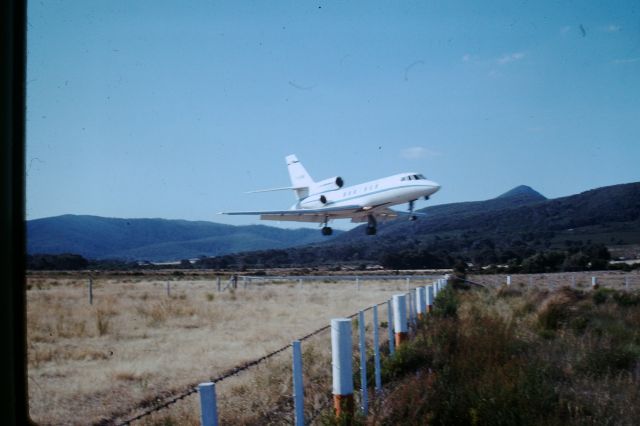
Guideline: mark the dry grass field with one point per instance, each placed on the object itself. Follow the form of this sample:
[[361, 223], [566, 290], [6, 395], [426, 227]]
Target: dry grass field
[[86, 362]]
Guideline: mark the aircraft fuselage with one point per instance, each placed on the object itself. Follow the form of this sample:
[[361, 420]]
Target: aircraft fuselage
[[392, 190]]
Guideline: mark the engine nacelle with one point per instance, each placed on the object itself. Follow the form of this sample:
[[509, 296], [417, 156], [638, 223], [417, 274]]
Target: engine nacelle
[[313, 202], [330, 184]]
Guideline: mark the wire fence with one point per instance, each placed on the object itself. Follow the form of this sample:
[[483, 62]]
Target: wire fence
[[151, 406], [322, 400]]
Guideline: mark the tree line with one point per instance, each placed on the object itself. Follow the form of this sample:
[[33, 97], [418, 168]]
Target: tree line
[[481, 255]]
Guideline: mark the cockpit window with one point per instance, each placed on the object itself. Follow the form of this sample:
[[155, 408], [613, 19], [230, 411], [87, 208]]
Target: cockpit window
[[413, 177]]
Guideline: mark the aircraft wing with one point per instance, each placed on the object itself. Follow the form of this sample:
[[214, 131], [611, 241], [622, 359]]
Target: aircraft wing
[[304, 215], [384, 214]]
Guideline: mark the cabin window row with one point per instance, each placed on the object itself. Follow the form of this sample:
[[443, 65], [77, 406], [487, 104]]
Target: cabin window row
[[355, 191]]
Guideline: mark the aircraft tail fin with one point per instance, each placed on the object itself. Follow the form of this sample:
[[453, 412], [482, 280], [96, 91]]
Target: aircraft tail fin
[[300, 179]]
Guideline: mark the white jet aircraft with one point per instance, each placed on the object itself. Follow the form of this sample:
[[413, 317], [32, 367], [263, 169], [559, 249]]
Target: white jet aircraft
[[329, 199]]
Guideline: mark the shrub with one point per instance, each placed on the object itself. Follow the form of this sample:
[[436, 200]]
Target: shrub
[[407, 359], [601, 295], [623, 298], [446, 303], [508, 291], [605, 360], [554, 310]]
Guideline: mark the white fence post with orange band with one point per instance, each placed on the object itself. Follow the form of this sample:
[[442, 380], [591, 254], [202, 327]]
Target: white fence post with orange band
[[400, 318], [341, 354]]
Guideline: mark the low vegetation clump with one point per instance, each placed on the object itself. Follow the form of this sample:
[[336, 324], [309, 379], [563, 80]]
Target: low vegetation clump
[[484, 358]]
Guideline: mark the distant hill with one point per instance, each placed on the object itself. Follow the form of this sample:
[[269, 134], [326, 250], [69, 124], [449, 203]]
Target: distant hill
[[522, 192], [514, 225], [96, 237]]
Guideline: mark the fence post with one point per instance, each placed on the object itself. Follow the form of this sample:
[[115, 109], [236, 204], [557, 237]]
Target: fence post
[[420, 302], [435, 291], [407, 283], [218, 284], [390, 327], [626, 283], [364, 397], [412, 308], [168, 289], [299, 283], [358, 283], [90, 291], [429, 294], [509, 280], [400, 318], [409, 309], [298, 389], [594, 282], [415, 301], [208, 409], [376, 350], [341, 353]]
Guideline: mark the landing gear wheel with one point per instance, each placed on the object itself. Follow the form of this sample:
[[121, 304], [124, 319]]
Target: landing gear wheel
[[326, 230], [413, 217], [371, 230]]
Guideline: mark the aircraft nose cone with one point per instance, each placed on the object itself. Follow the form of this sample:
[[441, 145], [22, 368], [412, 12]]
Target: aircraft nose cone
[[436, 186]]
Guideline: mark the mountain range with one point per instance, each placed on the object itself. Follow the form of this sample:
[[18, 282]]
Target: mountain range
[[96, 237], [518, 221]]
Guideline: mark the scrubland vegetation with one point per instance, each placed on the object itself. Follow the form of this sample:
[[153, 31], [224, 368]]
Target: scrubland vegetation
[[517, 355]]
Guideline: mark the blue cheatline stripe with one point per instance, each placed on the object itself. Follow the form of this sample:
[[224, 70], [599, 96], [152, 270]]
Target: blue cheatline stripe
[[377, 192]]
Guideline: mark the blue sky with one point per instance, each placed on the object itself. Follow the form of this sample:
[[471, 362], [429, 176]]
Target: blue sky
[[174, 110]]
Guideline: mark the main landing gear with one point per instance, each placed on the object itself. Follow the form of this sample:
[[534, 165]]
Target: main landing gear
[[326, 230], [371, 226], [412, 217]]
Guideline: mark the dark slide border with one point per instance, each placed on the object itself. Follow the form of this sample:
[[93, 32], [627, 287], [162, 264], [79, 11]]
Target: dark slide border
[[13, 398]]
